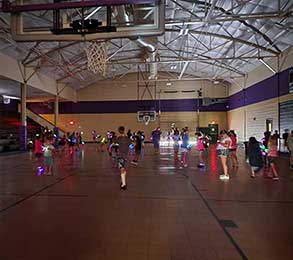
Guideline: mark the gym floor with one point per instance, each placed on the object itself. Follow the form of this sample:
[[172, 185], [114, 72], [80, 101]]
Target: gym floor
[[167, 212]]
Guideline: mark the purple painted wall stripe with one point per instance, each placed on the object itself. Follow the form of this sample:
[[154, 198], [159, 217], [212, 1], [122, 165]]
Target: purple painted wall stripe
[[132, 106], [277, 85]]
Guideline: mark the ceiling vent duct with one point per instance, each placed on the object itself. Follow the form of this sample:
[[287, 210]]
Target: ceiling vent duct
[[152, 56], [123, 17]]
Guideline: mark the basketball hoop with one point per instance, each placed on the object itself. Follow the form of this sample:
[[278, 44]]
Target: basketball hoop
[[146, 120], [97, 57], [146, 116]]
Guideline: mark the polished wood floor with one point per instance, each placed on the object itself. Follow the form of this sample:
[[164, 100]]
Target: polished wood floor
[[167, 212]]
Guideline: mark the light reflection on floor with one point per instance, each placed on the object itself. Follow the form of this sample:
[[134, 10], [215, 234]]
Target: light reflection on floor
[[167, 167]]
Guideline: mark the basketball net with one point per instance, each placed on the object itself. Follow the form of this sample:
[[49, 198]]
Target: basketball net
[[97, 57], [146, 120]]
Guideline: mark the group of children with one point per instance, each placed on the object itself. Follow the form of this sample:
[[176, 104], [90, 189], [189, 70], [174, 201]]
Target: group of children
[[73, 141], [183, 137], [264, 154], [125, 146], [44, 147], [259, 154]]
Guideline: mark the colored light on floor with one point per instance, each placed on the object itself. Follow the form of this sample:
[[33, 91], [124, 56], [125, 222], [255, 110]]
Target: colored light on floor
[[41, 170]]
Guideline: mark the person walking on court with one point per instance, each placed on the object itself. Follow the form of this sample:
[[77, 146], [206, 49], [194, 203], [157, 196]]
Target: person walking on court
[[123, 143]]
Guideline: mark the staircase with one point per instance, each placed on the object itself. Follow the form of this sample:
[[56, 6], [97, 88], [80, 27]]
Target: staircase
[[42, 121]]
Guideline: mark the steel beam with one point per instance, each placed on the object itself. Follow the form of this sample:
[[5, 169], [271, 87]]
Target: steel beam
[[49, 52], [183, 60], [10, 8], [228, 38]]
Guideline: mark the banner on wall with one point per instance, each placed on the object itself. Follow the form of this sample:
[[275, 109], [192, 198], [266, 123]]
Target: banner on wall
[[291, 81]]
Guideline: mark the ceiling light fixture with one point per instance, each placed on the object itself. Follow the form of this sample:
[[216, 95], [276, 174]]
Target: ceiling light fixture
[[93, 12], [267, 65], [183, 31], [11, 97]]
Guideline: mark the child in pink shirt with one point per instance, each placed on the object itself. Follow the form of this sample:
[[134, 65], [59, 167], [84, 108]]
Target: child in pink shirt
[[233, 148], [272, 156], [38, 147], [200, 149]]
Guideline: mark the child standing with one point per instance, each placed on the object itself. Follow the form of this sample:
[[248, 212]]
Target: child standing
[[102, 141], [233, 148], [38, 152], [176, 139], [272, 156], [265, 140], [38, 147], [122, 153], [254, 156], [223, 152], [156, 137], [200, 149], [184, 146], [137, 147], [48, 155]]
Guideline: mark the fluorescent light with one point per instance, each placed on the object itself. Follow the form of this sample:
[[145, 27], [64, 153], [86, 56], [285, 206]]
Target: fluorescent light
[[267, 65], [180, 23], [93, 12], [10, 97], [183, 31]]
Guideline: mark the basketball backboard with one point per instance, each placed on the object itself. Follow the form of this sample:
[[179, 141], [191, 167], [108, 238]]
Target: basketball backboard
[[146, 116], [56, 20]]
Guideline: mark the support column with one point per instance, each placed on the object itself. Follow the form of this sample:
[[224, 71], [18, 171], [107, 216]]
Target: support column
[[23, 127], [56, 111], [56, 119]]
